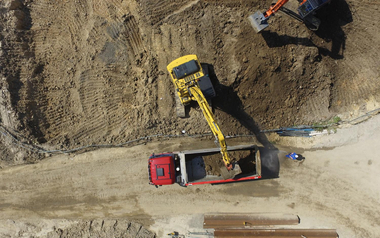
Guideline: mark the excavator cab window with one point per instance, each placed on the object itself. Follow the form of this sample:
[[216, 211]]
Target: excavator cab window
[[305, 9], [311, 6], [185, 69]]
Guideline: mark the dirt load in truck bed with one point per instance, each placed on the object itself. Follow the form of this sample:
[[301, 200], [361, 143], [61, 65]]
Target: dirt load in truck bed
[[246, 160]]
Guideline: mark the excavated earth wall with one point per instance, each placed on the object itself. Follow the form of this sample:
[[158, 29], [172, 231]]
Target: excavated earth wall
[[84, 72]]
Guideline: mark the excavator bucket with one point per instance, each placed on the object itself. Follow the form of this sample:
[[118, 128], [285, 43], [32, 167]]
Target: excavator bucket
[[229, 174], [258, 21]]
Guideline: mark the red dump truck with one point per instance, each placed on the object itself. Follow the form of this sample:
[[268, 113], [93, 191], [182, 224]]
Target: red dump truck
[[188, 167]]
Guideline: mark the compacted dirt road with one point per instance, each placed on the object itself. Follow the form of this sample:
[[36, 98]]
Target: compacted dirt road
[[332, 188]]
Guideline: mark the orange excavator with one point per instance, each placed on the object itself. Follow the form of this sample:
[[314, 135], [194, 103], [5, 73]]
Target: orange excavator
[[306, 11]]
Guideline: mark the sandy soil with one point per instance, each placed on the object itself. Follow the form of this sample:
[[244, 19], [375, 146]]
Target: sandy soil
[[84, 72], [90, 71], [333, 188]]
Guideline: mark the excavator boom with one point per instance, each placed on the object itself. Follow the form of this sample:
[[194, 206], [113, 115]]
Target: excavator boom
[[231, 169], [273, 9], [198, 96]]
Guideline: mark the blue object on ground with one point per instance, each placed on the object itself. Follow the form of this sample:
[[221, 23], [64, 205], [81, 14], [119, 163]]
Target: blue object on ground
[[294, 156]]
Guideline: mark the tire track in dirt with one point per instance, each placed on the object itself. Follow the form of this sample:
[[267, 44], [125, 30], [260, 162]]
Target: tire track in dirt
[[109, 108], [103, 106], [112, 10], [359, 66], [119, 104], [91, 93], [127, 34], [84, 188], [185, 7], [75, 22], [155, 11], [40, 43], [132, 35], [316, 107], [124, 30], [96, 110], [69, 36]]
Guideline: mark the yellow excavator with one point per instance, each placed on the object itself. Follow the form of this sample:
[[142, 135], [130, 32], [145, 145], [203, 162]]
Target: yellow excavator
[[192, 83]]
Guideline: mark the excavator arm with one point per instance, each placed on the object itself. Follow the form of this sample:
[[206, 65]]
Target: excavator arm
[[197, 95], [274, 8]]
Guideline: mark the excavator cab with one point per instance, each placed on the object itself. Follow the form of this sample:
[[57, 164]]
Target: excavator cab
[[186, 69]]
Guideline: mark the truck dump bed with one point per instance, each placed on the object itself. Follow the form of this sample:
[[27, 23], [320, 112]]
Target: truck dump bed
[[193, 167]]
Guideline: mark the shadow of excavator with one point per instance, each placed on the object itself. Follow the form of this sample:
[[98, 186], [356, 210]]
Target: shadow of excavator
[[228, 101], [333, 16]]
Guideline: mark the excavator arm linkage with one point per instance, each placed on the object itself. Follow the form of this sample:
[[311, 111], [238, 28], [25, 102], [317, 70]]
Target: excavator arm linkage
[[202, 102], [273, 9]]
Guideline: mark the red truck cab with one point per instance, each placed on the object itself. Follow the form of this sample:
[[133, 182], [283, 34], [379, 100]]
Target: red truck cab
[[162, 169]]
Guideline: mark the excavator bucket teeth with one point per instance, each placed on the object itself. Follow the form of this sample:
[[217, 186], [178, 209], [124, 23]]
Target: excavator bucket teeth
[[258, 21], [229, 174]]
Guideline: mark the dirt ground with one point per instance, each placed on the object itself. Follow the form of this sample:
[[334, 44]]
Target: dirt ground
[[333, 188], [94, 72], [88, 72]]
